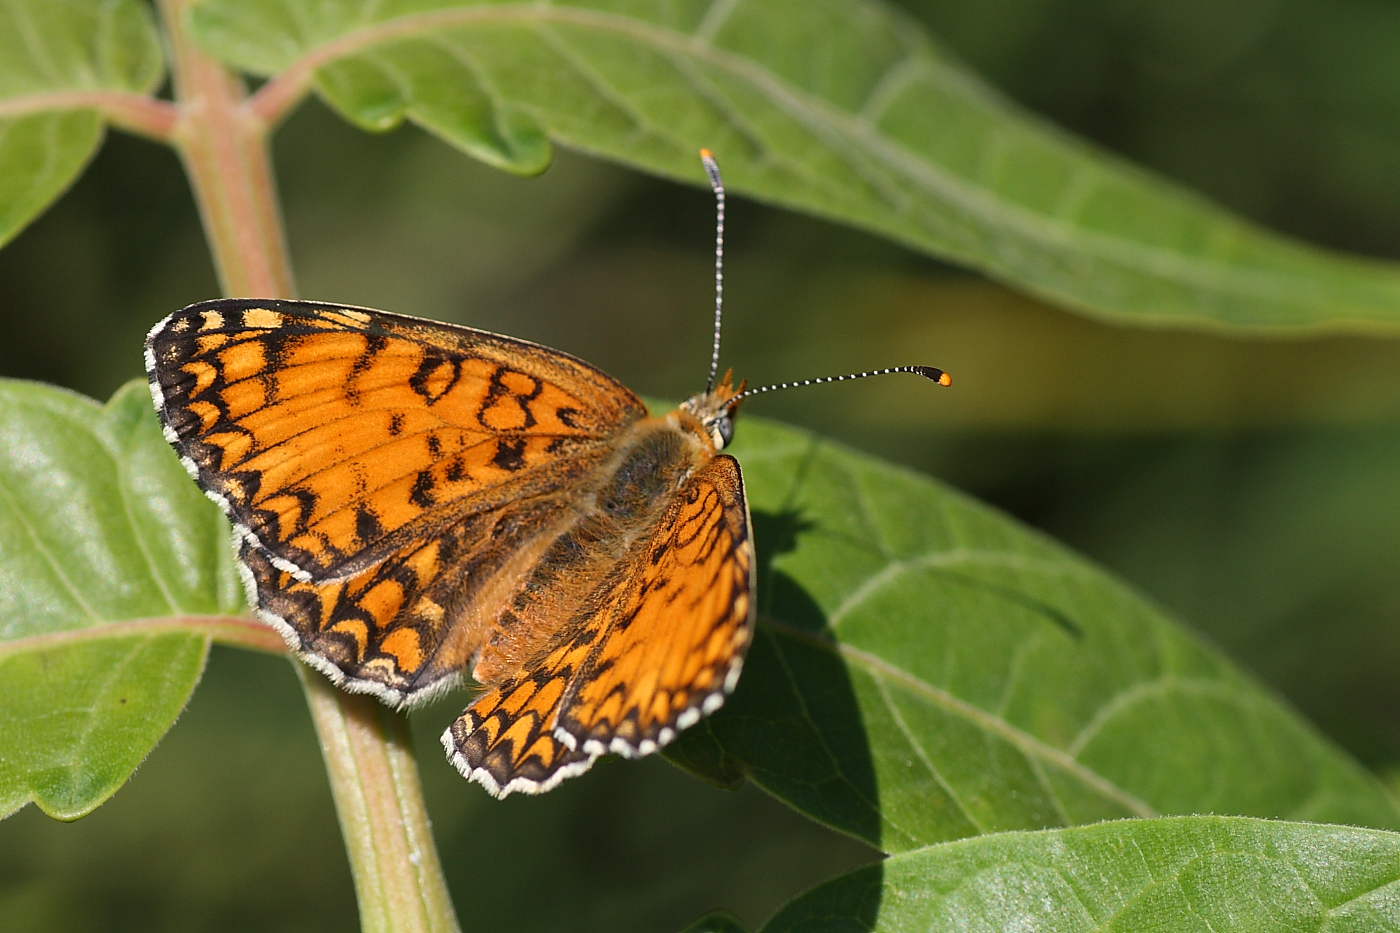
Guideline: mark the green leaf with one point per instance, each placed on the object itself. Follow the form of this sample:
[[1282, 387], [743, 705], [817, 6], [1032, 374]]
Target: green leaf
[[717, 922], [79, 717], [103, 541], [843, 108], [57, 60], [926, 669], [1183, 874]]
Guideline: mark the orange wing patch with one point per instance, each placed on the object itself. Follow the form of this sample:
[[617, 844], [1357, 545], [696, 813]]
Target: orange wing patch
[[331, 436], [651, 651], [372, 633]]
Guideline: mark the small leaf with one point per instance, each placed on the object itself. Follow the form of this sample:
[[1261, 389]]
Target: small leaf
[[79, 717], [1181, 874], [927, 670], [55, 61], [843, 108], [103, 540], [717, 922]]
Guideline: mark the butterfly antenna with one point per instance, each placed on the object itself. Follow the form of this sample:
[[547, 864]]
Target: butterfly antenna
[[928, 372], [707, 158]]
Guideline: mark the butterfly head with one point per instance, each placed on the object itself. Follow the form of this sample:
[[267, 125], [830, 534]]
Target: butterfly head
[[716, 409]]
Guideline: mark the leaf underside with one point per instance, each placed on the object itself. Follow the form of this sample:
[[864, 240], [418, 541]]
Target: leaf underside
[[844, 108], [49, 52]]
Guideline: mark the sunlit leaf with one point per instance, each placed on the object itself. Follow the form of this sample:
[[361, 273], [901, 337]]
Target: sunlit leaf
[[1182, 874], [102, 537], [844, 108], [927, 670]]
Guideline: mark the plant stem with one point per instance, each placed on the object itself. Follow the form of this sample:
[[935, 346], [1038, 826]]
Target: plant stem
[[224, 149], [374, 778], [373, 775]]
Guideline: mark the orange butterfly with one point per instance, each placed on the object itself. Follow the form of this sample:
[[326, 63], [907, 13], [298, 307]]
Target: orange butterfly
[[413, 501]]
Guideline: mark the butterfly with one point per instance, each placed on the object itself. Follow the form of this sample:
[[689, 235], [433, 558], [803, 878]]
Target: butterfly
[[414, 502]]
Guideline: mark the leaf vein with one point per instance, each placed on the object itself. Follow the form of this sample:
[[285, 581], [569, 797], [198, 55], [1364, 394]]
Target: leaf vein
[[42, 549], [1019, 738], [919, 749]]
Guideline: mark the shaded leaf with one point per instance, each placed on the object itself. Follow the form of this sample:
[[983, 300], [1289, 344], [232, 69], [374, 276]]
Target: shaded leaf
[[1180, 874], [102, 536], [55, 59], [717, 922], [844, 108], [927, 670]]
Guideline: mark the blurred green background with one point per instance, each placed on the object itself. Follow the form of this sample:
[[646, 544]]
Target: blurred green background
[[1249, 486]]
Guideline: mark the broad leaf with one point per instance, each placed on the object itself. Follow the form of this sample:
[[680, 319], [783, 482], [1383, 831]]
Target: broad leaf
[[927, 670], [1183, 874], [103, 541], [844, 108], [56, 61]]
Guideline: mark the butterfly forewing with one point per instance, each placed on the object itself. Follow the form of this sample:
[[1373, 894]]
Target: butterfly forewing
[[334, 436]]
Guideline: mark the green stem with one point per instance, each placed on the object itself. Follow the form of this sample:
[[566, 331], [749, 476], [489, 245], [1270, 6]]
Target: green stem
[[374, 779], [224, 148], [379, 799]]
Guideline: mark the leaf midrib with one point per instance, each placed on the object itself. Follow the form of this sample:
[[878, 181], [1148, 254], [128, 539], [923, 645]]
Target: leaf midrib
[[239, 631]]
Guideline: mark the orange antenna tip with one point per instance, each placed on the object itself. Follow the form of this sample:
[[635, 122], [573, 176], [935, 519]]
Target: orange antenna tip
[[707, 159], [932, 373]]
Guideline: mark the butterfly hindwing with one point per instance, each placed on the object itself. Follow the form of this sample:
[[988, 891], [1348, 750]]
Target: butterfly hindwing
[[505, 740], [335, 436], [405, 629], [675, 640], [656, 647]]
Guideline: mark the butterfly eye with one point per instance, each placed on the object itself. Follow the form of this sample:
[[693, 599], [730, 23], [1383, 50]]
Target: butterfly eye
[[722, 431]]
